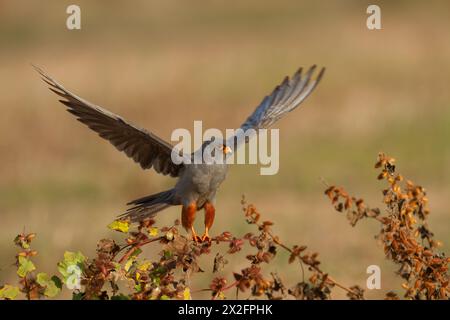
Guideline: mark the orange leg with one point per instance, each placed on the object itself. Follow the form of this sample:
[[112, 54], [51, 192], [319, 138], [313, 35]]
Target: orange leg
[[187, 219], [210, 213]]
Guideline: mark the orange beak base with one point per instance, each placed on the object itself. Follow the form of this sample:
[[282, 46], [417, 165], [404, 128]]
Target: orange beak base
[[226, 150]]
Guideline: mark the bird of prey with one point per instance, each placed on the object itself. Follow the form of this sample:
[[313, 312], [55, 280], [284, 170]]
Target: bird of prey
[[197, 182]]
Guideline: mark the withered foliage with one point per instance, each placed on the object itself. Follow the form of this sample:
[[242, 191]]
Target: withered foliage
[[406, 237], [124, 271]]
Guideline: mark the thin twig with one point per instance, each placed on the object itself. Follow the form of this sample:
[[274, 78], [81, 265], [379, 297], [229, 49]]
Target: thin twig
[[137, 246], [282, 245], [225, 289]]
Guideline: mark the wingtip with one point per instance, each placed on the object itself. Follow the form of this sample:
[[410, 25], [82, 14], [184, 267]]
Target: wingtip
[[313, 67], [38, 70], [321, 73], [44, 77], [41, 72]]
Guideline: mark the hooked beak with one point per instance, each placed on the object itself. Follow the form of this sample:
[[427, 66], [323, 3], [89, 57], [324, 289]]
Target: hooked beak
[[226, 150]]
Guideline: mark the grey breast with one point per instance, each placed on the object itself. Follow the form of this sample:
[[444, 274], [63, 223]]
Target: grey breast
[[199, 182]]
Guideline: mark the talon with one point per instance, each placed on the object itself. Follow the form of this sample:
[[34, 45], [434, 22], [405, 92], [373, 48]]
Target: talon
[[195, 237], [206, 238]]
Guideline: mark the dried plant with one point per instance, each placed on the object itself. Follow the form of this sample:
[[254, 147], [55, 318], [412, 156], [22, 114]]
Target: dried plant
[[121, 272], [125, 272], [406, 237]]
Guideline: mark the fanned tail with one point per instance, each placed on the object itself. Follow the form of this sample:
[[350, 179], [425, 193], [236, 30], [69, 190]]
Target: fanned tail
[[149, 206]]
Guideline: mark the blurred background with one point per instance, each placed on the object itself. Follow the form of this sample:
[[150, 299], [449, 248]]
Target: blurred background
[[164, 64]]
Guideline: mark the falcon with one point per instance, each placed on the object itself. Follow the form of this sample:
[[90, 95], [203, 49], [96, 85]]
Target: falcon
[[197, 183]]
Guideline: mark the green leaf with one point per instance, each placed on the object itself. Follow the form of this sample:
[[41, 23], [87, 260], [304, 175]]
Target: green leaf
[[51, 287], [25, 266], [74, 257], [132, 259], [9, 292], [120, 225], [42, 279], [164, 297], [71, 269], [168, 254], [70, 259], [19, 240], [51, 290], [144, 266], [57, 281], [128, 264], [117, 266], [77, 296], [136, 252], [156, 280]]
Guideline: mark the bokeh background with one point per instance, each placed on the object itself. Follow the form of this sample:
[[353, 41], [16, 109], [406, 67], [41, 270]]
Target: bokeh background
[[165, 64]]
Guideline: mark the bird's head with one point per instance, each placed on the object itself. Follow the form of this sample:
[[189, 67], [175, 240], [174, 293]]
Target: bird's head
[[215, 150], [225, 149], [218, 145]]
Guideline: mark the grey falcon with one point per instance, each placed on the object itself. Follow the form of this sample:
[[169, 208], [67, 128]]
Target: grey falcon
[[197, 182]]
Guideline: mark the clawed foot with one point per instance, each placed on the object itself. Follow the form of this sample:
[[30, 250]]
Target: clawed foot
[[203, 239], [206, 238], [196, 238]]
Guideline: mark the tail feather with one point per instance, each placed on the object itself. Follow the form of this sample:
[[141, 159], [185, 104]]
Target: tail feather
[[165, 196], [149, 206]]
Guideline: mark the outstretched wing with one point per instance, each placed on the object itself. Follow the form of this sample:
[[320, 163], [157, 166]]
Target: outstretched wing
[[284, 98], [142, 146]]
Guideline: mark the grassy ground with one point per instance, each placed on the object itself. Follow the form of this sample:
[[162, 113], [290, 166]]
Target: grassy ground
[[383, 91]]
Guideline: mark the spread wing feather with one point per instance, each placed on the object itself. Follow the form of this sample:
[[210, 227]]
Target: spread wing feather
[[138, 144], [284, 98]]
